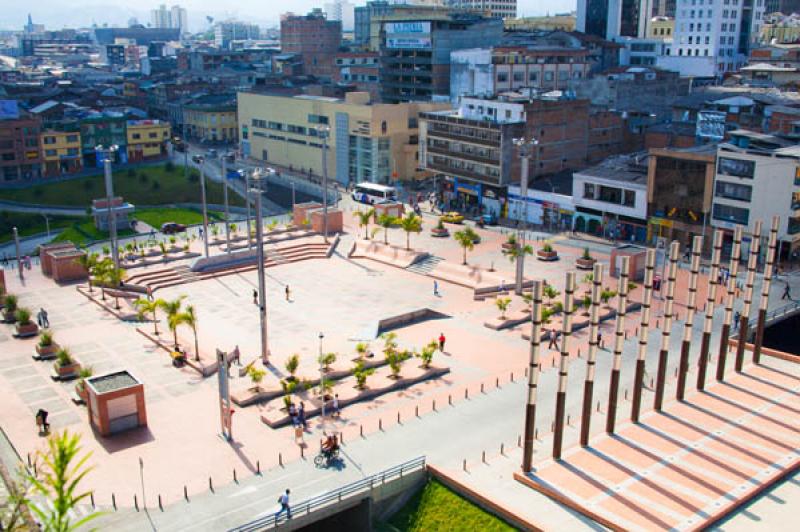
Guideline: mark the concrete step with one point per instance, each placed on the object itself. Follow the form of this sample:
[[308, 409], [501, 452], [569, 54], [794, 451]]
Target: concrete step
[[426, 265]]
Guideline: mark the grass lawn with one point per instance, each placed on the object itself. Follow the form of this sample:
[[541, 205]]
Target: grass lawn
[[148, 185], [29, 224], [436, 507], [156, 217], [84, 232]]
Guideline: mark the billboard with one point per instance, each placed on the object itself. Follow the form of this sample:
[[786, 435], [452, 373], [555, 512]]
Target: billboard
[[711, 125], [414, 43], [8, 109], [407, 27]]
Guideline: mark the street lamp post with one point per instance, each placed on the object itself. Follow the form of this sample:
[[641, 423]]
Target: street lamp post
[[324, 131], [523, 145], [262, 284], [200, 160], [47, 224], [19, 256], [321, 379], [112, 217], [225, 158], [247, 203]]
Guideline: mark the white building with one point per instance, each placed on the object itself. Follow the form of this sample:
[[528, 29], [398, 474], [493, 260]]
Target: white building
[[715, 34], [227, 32], [343, 11], [179, 19], [758, 177], [175, 17], [492, 8]]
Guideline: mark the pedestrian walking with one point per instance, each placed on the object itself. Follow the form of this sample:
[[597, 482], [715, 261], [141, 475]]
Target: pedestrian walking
[[301, 415], [288, 293], [41, 421], [502, 286], [43, 319], [442, 340], [283, 500], [736, 318], [787, 294], [336, 411], [553, 340], [600, 339], [255, 297], [435, 287]]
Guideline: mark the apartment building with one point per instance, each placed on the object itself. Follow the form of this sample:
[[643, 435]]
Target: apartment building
[[211, 121], [20, 150], [147, 140], [103, 129], [758, 177], [488, 8], [318, 53], [61, 151], [366, 141]]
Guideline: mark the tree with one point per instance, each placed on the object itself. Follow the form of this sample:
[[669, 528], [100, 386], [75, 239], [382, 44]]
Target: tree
[[389, 342], [189, 317], [59, 475], [386, 221], [256, 376], [411, 223], [502, 304], [606, 295], [88, 261], [550, 293], [326, 359], [145, 306], [362, 348], [174, 315], [516, 254], [427, 352], [466, 239], [364, 218], [360, 372], [292, 364]]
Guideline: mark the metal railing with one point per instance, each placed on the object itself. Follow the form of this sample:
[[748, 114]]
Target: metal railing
[[358, 487], [782, 311]]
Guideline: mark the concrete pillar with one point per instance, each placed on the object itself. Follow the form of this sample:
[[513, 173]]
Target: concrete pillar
[[619, 339], [563, 366], [733, 269], [663, 354], [644, 326], [533, 376], [594, 327], [765, 285], [705, 343], [691, 308]]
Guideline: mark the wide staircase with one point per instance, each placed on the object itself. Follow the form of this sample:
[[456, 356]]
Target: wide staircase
[[426, 265], [178, 275]]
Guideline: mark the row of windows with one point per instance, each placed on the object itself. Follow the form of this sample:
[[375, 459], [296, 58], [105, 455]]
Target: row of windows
[[53, 140], [618, 196], [53, 153], [563, 75]]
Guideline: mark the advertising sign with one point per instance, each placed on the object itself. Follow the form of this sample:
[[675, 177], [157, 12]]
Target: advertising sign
[[8, 109], [407, 27], [414, 43], [711, 125]]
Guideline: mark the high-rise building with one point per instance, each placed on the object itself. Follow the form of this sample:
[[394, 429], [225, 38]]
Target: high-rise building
[[615, 18], [179, 19], [343, 11], [175, 17], [489, 8], [227, 32], [318, 54]]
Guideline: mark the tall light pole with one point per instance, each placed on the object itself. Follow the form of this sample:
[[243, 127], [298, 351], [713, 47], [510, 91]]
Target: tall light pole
[[19, 256], [262, 284], [523, 145], [323, 132], [112, 216], [200, 160], [247, 203], [321, 379], [225, 158]]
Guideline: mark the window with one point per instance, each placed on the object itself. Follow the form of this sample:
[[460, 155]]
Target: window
[[534, 77], [736, 167], [519, 76], [259, 123], [588, 190], [733, 191], [730, 214], [548, 76], [502, 77], [72, 138], [137, 136], [317, 119], [50, 153], [72, 152], [49, 140], [733, 27], [152, 135], [630, 198]]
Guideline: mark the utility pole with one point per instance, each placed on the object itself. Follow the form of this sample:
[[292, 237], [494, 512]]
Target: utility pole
[[744, 319], [200, 160], [225, 158], [262, 283], [644, 329], [533, 376], [563, 366], [619, 338], [591, 357], [726, 325], [19, 256], [765, 285], [324, 131], [663, 354], [112, 216], [691, 308]]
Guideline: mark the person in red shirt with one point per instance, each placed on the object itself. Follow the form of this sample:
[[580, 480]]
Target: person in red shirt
[[441, 342]]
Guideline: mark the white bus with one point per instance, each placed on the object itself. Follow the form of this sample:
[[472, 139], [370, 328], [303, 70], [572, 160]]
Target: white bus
[[372, 193]]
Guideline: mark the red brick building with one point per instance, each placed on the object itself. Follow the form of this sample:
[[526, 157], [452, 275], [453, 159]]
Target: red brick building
[[20, 151], [315, 38]]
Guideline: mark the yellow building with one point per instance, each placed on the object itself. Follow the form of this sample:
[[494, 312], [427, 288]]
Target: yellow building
[[366, 142], [147, 139], [661, 28], [548, 23], [211, 122], [780, 33], [61, 151]]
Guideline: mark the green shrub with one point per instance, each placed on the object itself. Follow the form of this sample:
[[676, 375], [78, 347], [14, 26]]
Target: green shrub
[[46, 339], [361, 373], [23, 316], [64, 357], [326, 359], [292, 364]]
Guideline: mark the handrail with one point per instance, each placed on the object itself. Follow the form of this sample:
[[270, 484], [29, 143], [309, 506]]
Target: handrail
[[337, 495], [782, 311]]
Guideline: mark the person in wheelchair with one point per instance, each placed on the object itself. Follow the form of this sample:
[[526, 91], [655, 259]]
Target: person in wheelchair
[[330, 445]]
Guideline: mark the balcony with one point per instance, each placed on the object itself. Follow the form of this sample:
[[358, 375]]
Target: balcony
[[405, 60], [447, 169], [442, 150], [434, 131]]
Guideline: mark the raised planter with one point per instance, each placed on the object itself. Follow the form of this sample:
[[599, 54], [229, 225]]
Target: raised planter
[[440, 232], [116, 402], [585, 264], [66, 372], [26, 330], [47, 352], [541, 254], [8, 316]]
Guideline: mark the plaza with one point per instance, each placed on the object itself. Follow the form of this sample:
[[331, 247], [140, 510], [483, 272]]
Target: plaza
[[468, 422]]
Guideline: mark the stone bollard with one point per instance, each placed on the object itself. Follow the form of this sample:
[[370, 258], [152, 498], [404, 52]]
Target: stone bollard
[[380, 424], [398, 418], [434, 405], [160, 506], [465, 464], [416, 411], [535, 434], [481, 387], [234, 476], [280, 458], [361, 430], [185, 493], [258, 467], [136, 503], [114, 501], [210, 485], [502, 449], [483, 456], [91, 498]]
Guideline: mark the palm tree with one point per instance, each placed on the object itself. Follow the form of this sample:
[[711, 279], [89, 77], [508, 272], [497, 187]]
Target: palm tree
[[174, 315], [88, 261], [411, 223], [114, 277], [189, 317], [144, 306], [502, 304], [386, 221], [516, 254], [466, 239], [99, 271], [364, 218]]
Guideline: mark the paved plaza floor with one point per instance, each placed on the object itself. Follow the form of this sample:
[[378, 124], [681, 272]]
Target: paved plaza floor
[[343, 299]]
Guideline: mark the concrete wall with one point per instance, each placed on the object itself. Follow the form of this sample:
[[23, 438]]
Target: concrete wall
[[471, 73]]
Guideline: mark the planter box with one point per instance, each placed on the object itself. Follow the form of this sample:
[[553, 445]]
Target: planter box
[[26, 330], [65, 373], [47, 352], [585, 264], [8, 317], [546, 255], [507, 246], [116, 402], [440, 232]]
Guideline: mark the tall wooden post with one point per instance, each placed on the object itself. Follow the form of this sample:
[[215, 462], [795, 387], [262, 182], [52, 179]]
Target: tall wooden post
[[705, 343], [765, 285], [691, 308], [744, 319], [733, 271], [591, 357], [663, 354], [533, 376], [619, 338], [563, 366], [644, 326]]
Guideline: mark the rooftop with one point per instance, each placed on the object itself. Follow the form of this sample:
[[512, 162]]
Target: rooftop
[[626, 168]]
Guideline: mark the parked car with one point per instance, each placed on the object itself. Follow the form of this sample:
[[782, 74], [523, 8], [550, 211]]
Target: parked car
[[211, 153], [487, 219], [169, 228]]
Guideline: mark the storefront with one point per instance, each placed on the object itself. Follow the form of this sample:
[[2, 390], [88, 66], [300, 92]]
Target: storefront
[[468, 195], [547, 209]]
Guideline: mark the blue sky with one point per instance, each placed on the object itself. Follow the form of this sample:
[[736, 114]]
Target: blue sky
[[56, 14]]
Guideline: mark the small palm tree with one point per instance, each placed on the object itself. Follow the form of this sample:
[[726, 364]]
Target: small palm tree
[[502, 304], [516, 253], [466, 239], [256, 375], [386, 221], [362, 348], [114, 277], [550, 293], [88, 261], [173, 311], [189, 317], [411, 223], [149, 306], [292, 363], [364, 217]]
